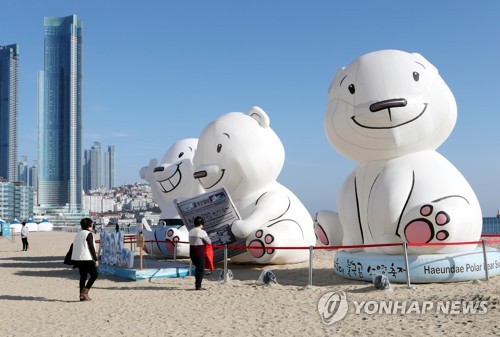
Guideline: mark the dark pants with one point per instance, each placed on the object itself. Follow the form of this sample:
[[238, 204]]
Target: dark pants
[[85, 268], [25, 243], [197, 255]]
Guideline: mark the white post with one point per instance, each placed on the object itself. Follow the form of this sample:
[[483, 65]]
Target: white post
[[175, 251], [311, 250], [225, 263], [407, 265]]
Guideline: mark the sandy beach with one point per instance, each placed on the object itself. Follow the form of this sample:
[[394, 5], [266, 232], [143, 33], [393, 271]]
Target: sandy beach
[[39, 297]]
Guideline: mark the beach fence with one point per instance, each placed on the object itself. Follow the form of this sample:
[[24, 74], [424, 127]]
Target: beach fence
[[486, 239], [405, 246], [491, 225]]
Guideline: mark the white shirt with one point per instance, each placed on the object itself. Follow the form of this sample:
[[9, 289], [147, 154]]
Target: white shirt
[[198, 237], [24, 232], [81, 251]]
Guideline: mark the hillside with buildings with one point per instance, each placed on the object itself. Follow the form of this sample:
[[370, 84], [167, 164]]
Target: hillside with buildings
[[126, 204]]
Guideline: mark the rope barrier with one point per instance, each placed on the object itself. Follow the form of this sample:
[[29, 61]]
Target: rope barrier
[[133, 239], [444, 244]]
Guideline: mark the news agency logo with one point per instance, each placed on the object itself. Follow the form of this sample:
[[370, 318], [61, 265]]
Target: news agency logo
[[333, 307]]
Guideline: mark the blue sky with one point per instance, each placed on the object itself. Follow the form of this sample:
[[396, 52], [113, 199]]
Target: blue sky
[[159, 71]]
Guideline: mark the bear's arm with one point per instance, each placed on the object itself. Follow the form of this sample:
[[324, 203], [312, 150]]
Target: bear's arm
[[270, 206]]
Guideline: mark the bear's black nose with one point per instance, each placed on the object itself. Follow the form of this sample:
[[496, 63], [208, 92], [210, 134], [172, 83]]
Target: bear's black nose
[[389, 103], [158, 169], [200, 174]]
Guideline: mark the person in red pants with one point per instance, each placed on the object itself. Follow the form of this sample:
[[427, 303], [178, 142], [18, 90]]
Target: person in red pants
[[198, 238]]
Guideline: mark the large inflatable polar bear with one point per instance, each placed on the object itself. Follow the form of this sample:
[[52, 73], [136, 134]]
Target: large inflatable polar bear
[[243, 154], [171, 179], [389, 110]]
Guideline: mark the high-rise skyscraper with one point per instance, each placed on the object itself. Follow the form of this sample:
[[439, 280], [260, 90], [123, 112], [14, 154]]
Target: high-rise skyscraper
[[92, 167], [95, 165], [60, 115], [23, 170], [109, 167], [86, 170], [9, 58], [33, 181]]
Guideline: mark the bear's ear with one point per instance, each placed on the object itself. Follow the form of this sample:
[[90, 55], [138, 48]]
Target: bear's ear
[[260, 116], [423, 60], [336, 78]]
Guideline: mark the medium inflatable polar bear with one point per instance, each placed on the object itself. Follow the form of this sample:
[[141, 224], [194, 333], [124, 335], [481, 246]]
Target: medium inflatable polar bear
[[243, 154], [389, 110], [171, 179]]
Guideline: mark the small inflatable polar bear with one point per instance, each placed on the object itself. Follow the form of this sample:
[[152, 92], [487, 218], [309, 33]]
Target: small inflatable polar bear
[[389, 110], [171, 179], [243, 154]]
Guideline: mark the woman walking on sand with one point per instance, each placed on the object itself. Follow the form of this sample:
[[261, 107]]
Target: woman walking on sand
[[85, 257]]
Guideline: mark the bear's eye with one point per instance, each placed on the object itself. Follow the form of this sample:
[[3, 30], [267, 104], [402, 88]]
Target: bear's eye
[[352, 89], [219, 147], [181, 154], [416, 76]]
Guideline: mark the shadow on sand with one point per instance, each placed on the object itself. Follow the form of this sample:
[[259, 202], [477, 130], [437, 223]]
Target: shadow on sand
[[32, 298]]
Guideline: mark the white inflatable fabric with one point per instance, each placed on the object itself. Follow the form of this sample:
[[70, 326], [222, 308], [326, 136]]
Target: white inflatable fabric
[[243, 154], [44, 226], [16, 226], [389, 110], [171, 179]]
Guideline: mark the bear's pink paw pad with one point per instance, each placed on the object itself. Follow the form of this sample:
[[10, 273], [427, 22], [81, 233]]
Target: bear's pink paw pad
[[170, 240], [257, 249], [422, 230]]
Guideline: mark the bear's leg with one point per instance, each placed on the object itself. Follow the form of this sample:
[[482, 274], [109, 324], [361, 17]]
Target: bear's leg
[[328, 228], [279, 243], [179, 236], [445, 221]]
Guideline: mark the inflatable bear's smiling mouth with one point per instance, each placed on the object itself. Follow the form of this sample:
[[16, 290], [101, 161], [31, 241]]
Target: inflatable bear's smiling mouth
[[170, 183], [203, 174], [388, 107]]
